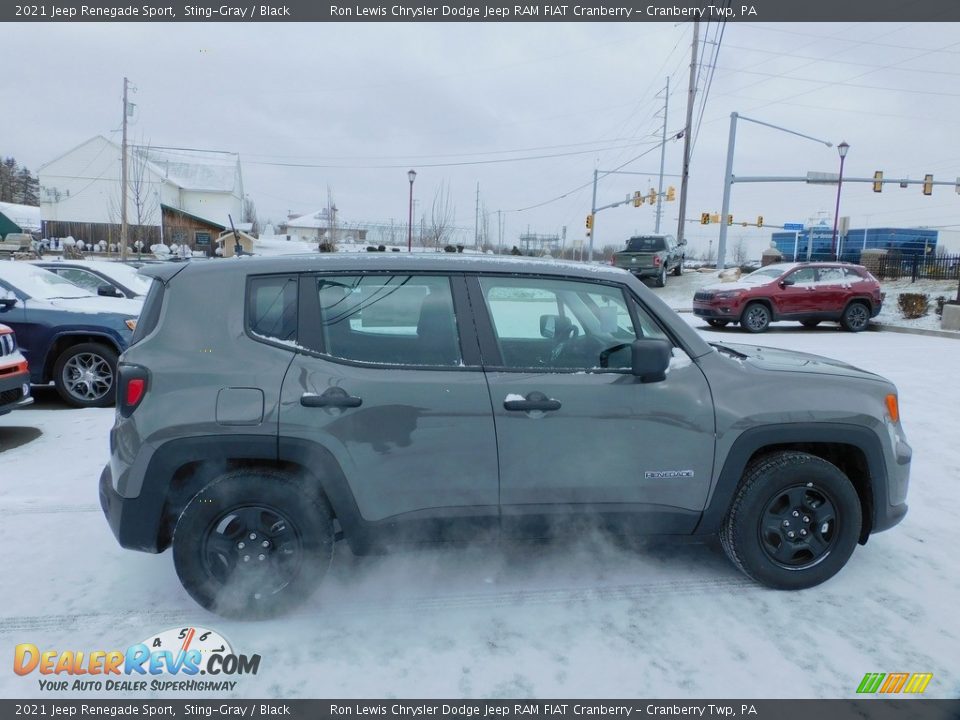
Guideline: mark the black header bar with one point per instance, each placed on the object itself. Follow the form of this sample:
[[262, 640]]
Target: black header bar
[[642, 11]]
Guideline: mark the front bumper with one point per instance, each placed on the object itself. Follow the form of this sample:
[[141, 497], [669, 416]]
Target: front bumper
[[14, 392], [891, 506], [729, 312]]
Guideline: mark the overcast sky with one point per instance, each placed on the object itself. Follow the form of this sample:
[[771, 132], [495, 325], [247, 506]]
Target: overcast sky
[[370, 101]]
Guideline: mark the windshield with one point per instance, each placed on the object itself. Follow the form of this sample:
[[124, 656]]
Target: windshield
[[763, 276], [38, 283], [126, 276], [646, 244]]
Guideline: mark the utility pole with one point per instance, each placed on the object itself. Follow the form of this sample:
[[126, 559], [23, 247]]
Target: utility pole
[[593, 214], [663, 152], [476, 220], [499, 232], [123, 179], [691, 96]]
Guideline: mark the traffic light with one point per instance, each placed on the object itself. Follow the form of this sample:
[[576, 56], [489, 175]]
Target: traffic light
[[590, 221], [653, 196], [729, 219], [637, 199], [759, 221], [878, 181], [928, 184], [671, 193], [704, 218]]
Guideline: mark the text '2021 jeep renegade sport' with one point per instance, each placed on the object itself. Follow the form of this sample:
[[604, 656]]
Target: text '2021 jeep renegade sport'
[[389, 399]]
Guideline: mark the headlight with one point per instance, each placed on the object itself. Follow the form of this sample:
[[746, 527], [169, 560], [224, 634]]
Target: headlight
[[728, 294], [131, 324]]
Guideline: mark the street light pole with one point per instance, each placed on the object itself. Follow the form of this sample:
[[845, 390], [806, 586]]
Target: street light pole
[[411, 175], [842, 148]]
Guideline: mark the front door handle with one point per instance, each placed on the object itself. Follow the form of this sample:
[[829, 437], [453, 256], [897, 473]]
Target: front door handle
[[334, 397], [534, 401]]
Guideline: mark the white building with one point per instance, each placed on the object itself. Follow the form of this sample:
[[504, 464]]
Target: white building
[[194, 191]]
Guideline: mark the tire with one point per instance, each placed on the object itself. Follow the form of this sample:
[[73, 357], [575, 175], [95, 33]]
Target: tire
[[661, 280], [809, 323], [856, 317], [220, 534], [85, 375], [755, 318], [714, 322], [678, 270], [755, 532]]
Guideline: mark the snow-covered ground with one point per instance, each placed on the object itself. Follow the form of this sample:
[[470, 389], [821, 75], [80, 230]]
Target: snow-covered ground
[[583, 618]]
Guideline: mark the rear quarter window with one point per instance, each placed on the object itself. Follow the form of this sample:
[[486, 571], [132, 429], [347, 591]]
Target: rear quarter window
[[272, 307]]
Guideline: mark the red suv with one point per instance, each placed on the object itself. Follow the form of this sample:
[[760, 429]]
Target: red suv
[[807, 292]]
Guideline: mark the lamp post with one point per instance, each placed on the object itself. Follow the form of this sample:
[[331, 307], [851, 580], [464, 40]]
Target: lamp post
[[842, 148], [411, 175]]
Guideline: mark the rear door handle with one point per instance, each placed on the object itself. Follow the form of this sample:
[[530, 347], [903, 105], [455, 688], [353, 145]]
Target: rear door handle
[[334, 397], [534, 401]]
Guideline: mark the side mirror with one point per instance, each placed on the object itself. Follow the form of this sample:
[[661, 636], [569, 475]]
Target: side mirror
[[786, 282], [106, 290], [650, 359], [548, 325], [7, 300]]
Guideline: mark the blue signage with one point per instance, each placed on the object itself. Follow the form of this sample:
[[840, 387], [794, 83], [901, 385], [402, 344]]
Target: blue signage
[[793, 226]]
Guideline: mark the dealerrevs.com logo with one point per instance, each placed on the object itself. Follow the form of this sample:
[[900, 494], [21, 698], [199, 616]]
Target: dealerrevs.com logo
[[172, 660]]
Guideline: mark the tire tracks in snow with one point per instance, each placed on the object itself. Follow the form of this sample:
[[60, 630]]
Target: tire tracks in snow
[[45, 509], [408, 605]]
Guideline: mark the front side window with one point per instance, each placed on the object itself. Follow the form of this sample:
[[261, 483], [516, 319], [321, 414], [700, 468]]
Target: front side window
[[81, 278], [389, 319], [562, 324], [803, 276]]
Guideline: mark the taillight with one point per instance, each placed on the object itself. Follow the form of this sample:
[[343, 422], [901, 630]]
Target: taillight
[[135, 390], [656, 261], [133, 385]]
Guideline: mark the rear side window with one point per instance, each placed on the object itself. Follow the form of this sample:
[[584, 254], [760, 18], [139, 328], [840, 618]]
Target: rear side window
[[150, 315], [272, 307], [646, 244], [389, 319]]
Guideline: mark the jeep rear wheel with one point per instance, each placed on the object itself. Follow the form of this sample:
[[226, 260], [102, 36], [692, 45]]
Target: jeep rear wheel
[[85, 375], [755, 318], [794, 521], [253, 544], [855, 317], [661, 280]]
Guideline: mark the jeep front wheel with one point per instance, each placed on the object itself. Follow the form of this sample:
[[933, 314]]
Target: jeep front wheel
[[85, 375], [794, 521], [253, 544], [755, 318]]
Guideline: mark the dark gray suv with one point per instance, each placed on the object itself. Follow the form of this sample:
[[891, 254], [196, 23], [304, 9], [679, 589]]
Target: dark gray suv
[[395, 399]]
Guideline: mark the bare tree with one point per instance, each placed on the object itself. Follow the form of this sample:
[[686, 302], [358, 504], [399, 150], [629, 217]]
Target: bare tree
[[442, 214], [143, 196], [249, 215], [740, 251]]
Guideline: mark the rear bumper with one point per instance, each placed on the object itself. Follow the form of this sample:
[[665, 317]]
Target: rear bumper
[[132, 521], [14, 392]]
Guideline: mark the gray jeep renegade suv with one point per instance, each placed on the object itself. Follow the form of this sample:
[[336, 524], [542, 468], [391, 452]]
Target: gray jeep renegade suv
[[389, 399]]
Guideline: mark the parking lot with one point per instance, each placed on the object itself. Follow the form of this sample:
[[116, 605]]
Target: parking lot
[[581, 618]]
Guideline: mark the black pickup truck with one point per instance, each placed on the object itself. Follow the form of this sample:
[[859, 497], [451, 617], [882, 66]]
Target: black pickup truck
[[651, 256]]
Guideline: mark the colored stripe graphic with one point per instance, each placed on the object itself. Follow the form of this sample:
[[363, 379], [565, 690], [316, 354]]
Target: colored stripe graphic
[[870, 682], [894, 682], [918, 682]]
